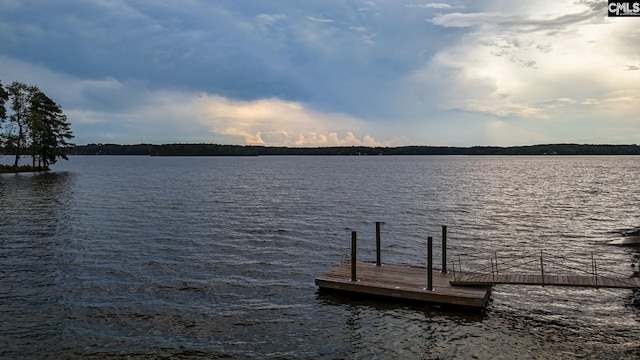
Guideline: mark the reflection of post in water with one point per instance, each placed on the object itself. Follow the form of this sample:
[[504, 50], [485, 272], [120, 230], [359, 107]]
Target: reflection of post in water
[[355, 327], [635, 295]]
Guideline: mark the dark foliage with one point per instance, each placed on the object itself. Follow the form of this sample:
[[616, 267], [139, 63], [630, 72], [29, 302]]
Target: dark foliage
[[32, 125], [239, 150]]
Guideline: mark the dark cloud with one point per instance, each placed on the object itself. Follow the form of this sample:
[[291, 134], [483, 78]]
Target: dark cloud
[[322, 51], [394, 63]]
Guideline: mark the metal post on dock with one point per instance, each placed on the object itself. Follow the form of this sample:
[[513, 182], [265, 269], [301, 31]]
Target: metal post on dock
[[429, 263], [444, 249], [493, 275], [593, 269], [453, 266], [378, 262], [353, 256], [541, 268]]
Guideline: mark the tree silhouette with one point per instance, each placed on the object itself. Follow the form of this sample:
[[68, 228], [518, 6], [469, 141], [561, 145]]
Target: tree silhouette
[[16, 136], [49, 131], [34, 124], [4, 96]]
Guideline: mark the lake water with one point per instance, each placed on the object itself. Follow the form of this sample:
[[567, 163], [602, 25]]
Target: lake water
[[154, 257]]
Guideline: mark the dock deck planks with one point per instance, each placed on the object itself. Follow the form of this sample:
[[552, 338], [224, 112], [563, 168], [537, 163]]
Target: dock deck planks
[[551, 280], [403, 282], [463, 289]]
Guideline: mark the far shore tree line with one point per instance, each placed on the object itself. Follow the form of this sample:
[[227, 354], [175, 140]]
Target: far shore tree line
[[31, 124], [253, 150]]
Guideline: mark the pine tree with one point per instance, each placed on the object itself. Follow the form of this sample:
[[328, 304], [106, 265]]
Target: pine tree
[[33, 124], [16, 131], [4, 97], [49, 131]]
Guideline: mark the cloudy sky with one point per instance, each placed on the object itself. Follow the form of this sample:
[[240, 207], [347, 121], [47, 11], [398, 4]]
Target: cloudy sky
[[330, 72]]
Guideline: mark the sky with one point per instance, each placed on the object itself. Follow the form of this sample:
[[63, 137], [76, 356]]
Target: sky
[[330, 72]]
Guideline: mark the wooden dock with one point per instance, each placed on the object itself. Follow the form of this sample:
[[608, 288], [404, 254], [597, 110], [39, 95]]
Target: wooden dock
[[469, 289], [403, 282], [472, 279]]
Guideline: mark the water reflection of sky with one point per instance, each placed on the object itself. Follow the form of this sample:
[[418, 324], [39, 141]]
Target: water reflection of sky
[[217, 256]]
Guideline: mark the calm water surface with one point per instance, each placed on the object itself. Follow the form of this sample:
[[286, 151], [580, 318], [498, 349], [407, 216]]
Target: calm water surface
[[127, 257]]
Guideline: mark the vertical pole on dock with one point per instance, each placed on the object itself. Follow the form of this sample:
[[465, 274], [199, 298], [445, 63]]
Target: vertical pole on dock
[[353, 256], [444, 249], [429, 263], [593, 269], [378, 262], [541, 268], [493, 275], [453, 266]]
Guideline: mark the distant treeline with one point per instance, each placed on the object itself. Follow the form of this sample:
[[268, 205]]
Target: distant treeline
[[249, 150]]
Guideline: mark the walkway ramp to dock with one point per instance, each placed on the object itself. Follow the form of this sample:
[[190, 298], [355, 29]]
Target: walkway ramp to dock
[[539, 268], [471, 279]]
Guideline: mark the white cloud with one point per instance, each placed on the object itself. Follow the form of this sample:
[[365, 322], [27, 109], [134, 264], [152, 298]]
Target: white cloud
[[173, 116], [465, 19], [321, 20], [270, 19], [438, 6], [276, 122], [499, 69], [430, 6], [499, 131], [138, 114]]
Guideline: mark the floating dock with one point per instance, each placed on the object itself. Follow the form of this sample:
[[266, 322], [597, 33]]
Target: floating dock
[[469, 289], [414, 283], [403, 282]]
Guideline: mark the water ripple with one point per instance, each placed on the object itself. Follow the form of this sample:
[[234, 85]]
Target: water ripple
[[150, 257]]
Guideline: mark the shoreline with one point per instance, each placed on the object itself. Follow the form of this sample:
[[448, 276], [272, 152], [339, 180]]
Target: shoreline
[[10, 169]]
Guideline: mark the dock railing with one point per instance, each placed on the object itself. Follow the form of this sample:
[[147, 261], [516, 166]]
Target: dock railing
[[539, 267], [539, 262]]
